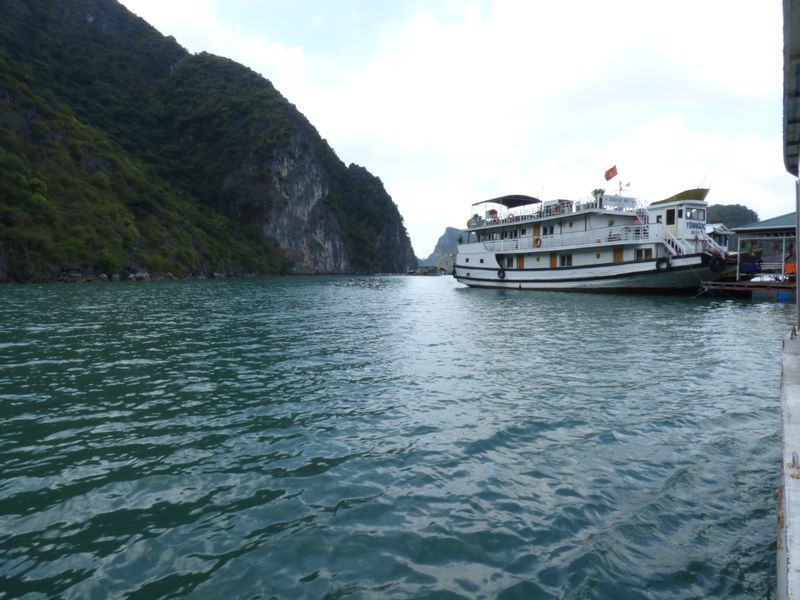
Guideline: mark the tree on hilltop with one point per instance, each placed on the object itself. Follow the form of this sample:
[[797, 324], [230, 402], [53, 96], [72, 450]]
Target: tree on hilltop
[[732, 215]]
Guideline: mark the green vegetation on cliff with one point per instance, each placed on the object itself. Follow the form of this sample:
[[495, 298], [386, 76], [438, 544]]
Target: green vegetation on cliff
[[120, 151]]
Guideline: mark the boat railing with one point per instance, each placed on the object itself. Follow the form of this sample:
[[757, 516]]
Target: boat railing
[[702, 242], [604, 204], [512, 217], [541, 211], [592, 237], [772, 267], [674, 244], [713, 246]]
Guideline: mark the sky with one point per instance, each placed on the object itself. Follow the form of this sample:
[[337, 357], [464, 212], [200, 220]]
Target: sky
[[453, 102]]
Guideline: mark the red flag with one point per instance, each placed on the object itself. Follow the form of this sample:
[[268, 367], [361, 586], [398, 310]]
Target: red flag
[[611, 173]]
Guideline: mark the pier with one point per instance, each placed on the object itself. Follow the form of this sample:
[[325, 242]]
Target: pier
[[774, 290], [788, 542]]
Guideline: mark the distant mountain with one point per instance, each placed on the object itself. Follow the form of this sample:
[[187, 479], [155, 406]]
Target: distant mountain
[[444, 253], [120, 152]]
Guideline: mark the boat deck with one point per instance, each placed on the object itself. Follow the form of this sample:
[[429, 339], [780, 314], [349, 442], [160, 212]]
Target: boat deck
[[782, 290]]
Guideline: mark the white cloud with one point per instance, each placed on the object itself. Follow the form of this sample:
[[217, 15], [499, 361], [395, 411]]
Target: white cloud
[[536, 98]]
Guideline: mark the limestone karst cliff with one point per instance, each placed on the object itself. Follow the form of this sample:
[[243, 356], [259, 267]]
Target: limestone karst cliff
[[121, 152], [444, 253]]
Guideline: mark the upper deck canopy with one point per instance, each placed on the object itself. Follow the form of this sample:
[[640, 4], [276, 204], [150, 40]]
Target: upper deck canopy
[[511, 201]]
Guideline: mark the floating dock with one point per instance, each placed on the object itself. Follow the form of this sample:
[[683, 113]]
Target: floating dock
[[775, 291]]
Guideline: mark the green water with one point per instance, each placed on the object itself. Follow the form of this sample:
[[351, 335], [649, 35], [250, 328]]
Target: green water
[[385, 437]]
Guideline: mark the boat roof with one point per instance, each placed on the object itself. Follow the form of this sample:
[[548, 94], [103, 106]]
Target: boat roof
[[511, 201], [698, 194]]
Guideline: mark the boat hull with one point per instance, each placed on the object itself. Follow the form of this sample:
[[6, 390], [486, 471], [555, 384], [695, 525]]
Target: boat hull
[[684, 274]]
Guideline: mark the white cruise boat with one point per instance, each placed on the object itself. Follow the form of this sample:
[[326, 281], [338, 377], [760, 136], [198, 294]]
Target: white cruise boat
[[608, 243]]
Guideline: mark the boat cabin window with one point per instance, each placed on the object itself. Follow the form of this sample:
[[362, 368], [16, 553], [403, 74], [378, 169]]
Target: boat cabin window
[[680, 213], [523, 232], [565, 260], [696, 214], [644, 253], [670, 216]]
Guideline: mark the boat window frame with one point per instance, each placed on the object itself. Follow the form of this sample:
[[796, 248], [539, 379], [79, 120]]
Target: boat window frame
[[690, 212], [641, 254]]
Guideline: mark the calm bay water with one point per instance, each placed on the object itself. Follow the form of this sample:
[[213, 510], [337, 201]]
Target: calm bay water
[[385, 437]]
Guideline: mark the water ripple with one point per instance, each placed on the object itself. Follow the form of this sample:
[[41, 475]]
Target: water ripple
[[385, 436]]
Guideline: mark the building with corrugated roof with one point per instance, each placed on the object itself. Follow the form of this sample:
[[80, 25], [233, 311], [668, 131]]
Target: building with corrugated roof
[[720, 233], [767, 247]]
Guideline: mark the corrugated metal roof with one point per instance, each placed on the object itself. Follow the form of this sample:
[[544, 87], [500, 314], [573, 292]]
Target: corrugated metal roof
[[787, 221], [717, 228]]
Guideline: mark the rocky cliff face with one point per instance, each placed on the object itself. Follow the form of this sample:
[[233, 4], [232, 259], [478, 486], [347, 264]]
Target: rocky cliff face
[[286, 195], [446, 248], [299, 220], [207, 164], [402, 258]]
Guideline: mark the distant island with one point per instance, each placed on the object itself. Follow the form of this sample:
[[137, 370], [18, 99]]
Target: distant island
[[444, 254], [122, 155]]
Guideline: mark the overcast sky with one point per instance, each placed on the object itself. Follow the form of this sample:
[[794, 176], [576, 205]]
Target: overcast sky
[[453, 102]]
